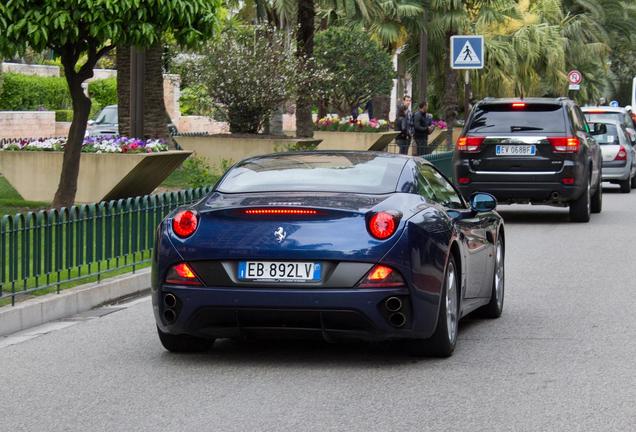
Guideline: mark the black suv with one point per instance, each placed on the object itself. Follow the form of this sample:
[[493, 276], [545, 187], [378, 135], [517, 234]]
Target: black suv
[[535, 150]]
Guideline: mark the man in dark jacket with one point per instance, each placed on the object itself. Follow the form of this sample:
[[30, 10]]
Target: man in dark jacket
[[422, 127], [403, 125]]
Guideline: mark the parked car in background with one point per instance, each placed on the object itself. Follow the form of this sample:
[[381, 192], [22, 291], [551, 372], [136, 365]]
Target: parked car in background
[[603, 113], [535, 150], [619, 156], [107, 123]]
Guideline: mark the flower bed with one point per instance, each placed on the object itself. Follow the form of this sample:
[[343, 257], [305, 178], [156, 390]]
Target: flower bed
[[348, 124], [91, 145]]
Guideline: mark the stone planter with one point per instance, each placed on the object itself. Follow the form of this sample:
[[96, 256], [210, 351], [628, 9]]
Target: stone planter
[[105, 176], [377, 141], [227, 147]]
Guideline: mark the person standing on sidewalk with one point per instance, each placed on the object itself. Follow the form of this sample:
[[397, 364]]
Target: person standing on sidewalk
[[403, 124], [422, 127]]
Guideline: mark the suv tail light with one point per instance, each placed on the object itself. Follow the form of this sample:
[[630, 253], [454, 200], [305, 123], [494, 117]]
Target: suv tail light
[[621, 155], [182, 274], [382, 276], [469, 144], [565, 144], [383, 225], [185, 223]]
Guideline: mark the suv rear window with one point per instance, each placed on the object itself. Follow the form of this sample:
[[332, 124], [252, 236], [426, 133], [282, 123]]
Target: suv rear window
[[504, 118]]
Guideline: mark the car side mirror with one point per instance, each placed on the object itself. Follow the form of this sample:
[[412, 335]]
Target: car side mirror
[[482, 202], [598, 129]]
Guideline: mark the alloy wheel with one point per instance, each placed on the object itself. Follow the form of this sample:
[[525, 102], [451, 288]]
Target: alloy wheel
[[451, 303]]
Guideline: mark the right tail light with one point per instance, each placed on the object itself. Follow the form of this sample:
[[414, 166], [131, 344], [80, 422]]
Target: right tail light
[[621, 155], [383, 224], [382, 276], [565, 144]]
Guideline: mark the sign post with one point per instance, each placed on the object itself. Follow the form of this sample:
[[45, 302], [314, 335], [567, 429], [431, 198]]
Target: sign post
[[467, 52]]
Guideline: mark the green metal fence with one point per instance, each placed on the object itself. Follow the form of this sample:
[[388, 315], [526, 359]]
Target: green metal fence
[[51, 249], [444, 162]]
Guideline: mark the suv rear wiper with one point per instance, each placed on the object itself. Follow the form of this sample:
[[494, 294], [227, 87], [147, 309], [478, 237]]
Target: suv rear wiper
[[524, 128]]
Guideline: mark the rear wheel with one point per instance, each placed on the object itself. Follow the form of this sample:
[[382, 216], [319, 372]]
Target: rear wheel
[[443, 341], [495, 307], [597, 198], [184, 343], [626, 185], [580, 209], [634, 182]]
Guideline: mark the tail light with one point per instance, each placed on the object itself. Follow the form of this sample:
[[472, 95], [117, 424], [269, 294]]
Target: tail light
[[519, 105], [185, 223], [565, 144], [382, 276], [469, 144], [621, 155], [182, 274], [383, 225], [464, 180], [567, 181]]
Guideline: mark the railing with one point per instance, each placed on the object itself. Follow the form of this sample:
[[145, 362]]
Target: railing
[[52, 249], [444, 162]]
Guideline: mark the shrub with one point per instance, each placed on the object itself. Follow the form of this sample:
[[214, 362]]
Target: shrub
[[363, 68], [248, 74], [195, 100], [30, 93], [63, 115], [103, 92], [198, 172]]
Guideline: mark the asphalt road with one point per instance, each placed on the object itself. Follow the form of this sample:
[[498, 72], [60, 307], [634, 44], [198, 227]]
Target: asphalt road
[[560, 359]]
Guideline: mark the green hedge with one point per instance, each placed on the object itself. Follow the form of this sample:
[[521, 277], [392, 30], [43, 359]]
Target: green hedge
[[64, 115], [103, 92], [29, 93]]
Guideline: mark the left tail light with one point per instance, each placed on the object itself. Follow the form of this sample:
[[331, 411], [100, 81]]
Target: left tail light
[[469, 144], [182, 274], [382, 276], [185, 223]]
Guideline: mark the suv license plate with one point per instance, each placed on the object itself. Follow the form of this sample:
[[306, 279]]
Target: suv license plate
[[279, 271], [516, 150]]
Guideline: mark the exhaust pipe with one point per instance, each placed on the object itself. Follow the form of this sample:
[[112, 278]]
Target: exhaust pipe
[[393, 304], [554, 196], [170, 300], [169, 315], [397, 319]]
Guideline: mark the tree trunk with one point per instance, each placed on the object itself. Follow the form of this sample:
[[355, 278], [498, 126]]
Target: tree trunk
[[123, 89], [155, 115], [305, 50], [65, 195], [422, 83]]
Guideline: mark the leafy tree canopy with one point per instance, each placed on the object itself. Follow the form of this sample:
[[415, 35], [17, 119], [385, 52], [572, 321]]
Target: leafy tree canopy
[[361, 67]]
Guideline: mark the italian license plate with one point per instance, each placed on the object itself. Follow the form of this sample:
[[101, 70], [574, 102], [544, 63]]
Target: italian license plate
[[516, 150], [279, 271]]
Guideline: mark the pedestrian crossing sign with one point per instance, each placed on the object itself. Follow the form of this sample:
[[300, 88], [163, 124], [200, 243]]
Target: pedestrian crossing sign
[[467, 52]]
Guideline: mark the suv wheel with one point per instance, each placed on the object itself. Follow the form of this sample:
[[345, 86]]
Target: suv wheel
[[580, 209], [597, 198], [634, 182]]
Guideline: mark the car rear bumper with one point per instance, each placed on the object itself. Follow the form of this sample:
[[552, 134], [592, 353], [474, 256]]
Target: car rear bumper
[[615, 172], [325, 313], [540, 187]]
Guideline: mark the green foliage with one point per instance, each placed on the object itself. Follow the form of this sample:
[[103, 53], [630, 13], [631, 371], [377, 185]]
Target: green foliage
[[195, 100], [362, 68], [248, 74], [28, 93], [103, 92], [63, 115], [197, 172]]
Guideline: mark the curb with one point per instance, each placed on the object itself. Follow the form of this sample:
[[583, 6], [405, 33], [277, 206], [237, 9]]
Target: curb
[[70, 302]]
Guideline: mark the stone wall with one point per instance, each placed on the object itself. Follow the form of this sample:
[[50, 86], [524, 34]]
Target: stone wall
[[24, 124], [201, 124], [31, 69]]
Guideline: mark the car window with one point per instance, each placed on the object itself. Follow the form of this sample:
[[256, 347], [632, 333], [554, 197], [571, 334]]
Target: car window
[[504, 118], [370, 173], [577, 122], [580, 120], [107, 116], [611, 137], [443, 192]]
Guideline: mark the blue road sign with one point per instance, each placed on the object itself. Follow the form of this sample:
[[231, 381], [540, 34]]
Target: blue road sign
[[467, 52]]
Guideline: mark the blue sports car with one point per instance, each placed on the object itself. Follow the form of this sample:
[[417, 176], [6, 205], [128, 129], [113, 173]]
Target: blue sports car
[[335, 244]]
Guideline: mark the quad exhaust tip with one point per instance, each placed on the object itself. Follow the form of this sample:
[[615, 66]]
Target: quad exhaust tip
[[170, 300], [393, 304], [169, 315], [397, 319]]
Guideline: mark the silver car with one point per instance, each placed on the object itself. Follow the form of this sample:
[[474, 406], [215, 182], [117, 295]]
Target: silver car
[[595, 114], [619, 156], [106, 122]]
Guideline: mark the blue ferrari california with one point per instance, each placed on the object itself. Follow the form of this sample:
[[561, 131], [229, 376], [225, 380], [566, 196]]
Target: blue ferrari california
[[335, 244]]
